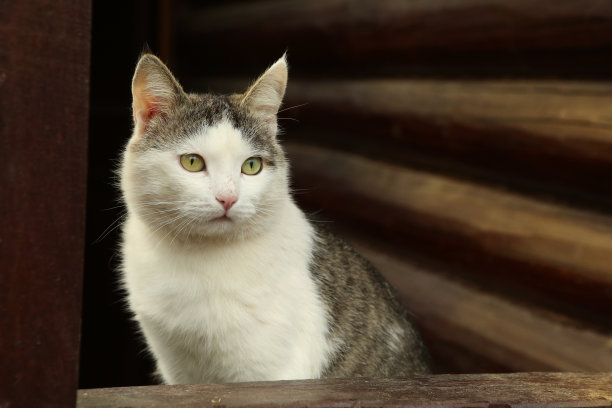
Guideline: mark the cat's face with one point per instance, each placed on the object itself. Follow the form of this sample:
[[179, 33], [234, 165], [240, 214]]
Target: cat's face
[[204, 165]]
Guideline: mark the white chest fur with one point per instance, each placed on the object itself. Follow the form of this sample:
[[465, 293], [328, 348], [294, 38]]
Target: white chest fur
[[228, 311]]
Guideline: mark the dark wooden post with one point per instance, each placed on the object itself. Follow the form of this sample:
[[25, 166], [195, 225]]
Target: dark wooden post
[[44, 91]]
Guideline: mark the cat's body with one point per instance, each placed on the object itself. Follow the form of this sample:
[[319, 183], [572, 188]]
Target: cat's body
[[226, 277]]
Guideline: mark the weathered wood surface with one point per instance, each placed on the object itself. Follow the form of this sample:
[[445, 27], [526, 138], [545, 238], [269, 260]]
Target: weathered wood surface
[[512, 336], [508, 390], [433, 37], [492, 231], [554, 132], [44, 99]]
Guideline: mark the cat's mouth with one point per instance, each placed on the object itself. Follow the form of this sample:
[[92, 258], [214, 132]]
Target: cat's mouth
[[223, 218]]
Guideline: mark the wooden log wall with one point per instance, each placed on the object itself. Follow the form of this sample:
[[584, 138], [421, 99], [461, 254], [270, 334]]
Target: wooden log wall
[[464, 146]]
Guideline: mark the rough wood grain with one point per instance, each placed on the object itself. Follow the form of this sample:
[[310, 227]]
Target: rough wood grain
[[487, 391], [491, 230], [551, 134], [509, 335], [396, 37], [44, 99], [526, 116]]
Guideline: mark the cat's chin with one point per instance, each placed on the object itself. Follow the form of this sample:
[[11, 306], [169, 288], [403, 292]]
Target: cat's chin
[[223, 218], [223, 227]]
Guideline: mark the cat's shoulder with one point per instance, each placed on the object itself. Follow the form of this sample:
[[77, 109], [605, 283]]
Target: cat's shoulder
[[337, 261]]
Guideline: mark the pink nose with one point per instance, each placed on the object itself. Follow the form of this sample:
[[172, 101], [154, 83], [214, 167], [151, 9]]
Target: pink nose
[[227, 201]]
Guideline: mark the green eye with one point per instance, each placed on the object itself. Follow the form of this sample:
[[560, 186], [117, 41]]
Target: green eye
[[252, 166], [192, 162]]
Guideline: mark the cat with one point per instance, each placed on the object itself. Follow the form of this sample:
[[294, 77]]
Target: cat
[[224, 274]]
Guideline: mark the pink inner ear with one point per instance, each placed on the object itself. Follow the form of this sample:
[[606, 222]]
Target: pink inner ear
[[147, 112], [152, 110]]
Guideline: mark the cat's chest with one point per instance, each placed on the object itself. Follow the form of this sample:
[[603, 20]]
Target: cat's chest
[[199, 297], [222, 285]]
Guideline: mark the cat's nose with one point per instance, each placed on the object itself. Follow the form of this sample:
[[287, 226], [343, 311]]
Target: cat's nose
[[227, 201]]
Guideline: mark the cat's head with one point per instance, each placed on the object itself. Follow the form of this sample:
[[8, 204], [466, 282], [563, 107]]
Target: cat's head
[[203, 165]]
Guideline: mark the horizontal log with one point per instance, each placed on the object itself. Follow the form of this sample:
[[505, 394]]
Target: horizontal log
[[493, 232], [509, 390], [352, 37], [505, 334], [543, 116], [551, 134]]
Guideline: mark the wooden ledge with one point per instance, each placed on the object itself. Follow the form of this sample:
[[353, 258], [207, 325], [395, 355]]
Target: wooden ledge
[[471, 390]]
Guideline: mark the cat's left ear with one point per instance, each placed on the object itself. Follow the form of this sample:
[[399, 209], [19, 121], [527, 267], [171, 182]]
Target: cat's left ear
[[154, 90], [264, 97]]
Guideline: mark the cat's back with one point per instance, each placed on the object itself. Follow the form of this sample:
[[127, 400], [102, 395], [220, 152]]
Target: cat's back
[[369, 326]]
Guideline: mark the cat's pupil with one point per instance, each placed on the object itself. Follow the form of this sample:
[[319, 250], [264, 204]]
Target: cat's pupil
[[192, 159]]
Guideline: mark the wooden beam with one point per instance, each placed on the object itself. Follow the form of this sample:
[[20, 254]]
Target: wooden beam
[[554, 118], [506, 334], [44, 100], [551, 136], [395, 37], [508, 390], [491, 231]]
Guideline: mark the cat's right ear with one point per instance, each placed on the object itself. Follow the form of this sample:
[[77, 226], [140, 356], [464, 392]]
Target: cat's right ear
[[155, 91]]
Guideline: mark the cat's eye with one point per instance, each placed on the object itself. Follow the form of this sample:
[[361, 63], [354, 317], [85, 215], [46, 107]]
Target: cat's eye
[[192, 162], [252, 166]]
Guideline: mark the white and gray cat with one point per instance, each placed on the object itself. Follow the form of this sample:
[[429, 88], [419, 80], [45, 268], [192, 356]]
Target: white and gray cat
[[225, 275]]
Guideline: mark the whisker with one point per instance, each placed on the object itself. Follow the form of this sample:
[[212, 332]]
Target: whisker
[[167, 222], [118, 222], [167, 233], [192, 225], [292, 107], [182, 226], [298, 191], [114, 208]]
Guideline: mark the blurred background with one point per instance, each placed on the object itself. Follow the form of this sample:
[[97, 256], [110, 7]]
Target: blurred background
[[464, 146]]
